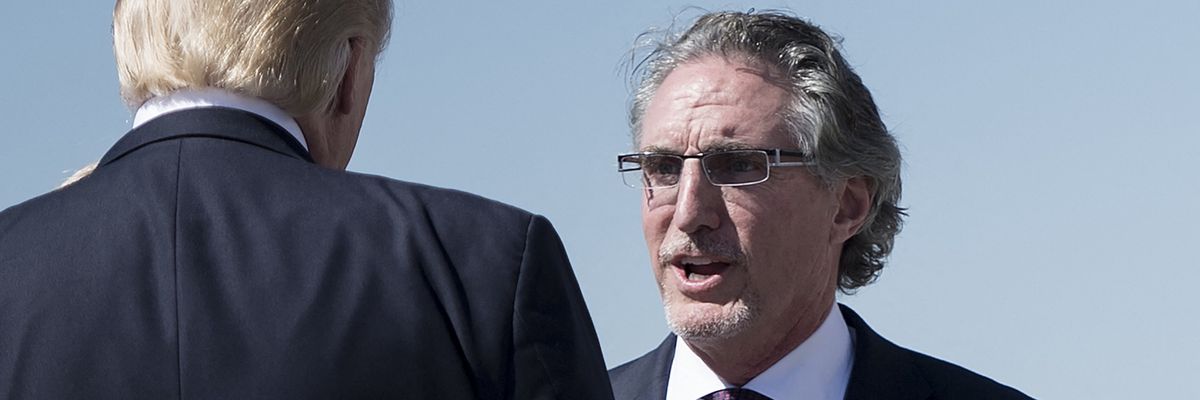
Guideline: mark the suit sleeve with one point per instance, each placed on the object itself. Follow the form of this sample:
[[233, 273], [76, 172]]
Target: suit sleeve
[[557, 354]]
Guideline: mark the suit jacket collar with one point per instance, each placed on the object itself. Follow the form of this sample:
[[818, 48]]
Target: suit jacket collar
[[215, 122], [882, 370]]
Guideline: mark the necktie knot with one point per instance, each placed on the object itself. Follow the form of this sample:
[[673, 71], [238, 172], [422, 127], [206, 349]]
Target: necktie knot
[[735, 394]]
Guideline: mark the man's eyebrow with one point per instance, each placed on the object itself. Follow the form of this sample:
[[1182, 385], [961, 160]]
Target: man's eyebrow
[[658, 149], [715, 146], [726, 146]]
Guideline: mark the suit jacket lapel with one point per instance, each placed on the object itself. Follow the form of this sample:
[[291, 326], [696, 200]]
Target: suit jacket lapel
[[220, 122], [645, 378], [660, 372], [881, 369]]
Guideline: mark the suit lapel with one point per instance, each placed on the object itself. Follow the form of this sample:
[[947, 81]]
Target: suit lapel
[[881, 369], [645, 378], [660, 371], [218, 122]]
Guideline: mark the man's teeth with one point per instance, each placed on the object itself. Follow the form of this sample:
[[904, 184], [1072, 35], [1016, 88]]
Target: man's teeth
[[700, 268]]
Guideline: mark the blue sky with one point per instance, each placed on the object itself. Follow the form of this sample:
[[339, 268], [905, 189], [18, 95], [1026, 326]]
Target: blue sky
[[1049, 160]]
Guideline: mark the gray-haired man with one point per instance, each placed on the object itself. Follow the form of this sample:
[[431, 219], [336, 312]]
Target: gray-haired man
[[770, 183]]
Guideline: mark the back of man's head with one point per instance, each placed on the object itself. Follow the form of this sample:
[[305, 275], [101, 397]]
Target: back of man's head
[[289, 52]]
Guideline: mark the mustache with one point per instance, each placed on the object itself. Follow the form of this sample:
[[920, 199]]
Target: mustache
[[701, 244]]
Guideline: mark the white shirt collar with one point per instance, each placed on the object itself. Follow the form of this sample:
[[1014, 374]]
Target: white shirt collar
[[185, 99], [818, 369]]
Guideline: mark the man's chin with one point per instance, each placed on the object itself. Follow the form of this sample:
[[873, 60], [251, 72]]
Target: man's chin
[[708, 321]]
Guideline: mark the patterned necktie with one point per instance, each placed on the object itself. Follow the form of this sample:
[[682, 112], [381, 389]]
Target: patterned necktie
[[735, 394]]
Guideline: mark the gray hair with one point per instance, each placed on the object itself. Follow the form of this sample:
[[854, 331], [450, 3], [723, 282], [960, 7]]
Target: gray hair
[[831, 115]]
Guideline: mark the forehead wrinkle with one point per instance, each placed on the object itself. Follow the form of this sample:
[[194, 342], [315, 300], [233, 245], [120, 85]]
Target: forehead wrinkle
[[756, 97], [708, 110], [704, 127], [708, 91]]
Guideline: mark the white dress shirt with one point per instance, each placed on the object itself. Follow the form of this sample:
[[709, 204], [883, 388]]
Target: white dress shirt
[[817, 369], [185, 99]]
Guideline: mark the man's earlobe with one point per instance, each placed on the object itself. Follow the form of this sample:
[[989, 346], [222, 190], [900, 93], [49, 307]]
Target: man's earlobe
[[854, 205]]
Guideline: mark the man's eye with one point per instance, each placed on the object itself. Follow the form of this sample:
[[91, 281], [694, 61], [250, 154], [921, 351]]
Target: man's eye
[[736, 163], [660, 167], [742, 165]]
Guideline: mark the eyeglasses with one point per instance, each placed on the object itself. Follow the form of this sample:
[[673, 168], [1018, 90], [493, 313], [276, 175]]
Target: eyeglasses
[[723, 168]]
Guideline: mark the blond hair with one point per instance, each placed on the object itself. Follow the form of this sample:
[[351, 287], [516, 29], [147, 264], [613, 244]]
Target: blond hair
[[292, 53], [78, 175]]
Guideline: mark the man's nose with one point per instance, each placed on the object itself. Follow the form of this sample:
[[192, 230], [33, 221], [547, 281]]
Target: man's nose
[[698, 202]]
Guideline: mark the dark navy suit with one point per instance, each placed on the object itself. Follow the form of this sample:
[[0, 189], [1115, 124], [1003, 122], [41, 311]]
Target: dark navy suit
[[882, 371], [207, 257]]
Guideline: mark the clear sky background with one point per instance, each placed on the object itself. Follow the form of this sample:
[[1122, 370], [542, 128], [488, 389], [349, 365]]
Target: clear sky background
[[1050, 160]]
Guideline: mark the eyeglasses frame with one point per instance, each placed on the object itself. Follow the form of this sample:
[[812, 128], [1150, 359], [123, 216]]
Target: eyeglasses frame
[[773, 160]]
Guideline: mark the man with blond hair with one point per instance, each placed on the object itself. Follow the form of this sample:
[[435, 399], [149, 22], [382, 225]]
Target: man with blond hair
[[219, 250]]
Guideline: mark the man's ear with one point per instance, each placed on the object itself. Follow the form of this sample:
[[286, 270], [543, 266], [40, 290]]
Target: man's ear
[[344, 103], [854, 204]]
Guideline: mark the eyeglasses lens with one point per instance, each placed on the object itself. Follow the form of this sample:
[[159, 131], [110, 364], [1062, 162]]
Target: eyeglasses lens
[[736, 167], [650, 170], [729, 168]]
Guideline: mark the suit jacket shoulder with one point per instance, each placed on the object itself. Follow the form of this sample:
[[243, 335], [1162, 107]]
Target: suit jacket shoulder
[[883, 370], [551, 327], [208, 257]]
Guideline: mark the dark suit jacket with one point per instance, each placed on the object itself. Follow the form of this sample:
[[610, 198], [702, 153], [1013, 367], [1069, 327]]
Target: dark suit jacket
[[208, 258], [882, 371]]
